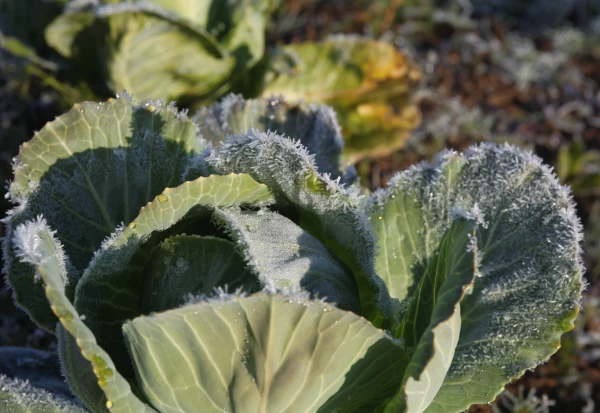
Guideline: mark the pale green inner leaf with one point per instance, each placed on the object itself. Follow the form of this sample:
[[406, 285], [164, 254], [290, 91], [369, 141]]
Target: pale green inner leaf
[[262, 353], [325, 209], [431, 326]]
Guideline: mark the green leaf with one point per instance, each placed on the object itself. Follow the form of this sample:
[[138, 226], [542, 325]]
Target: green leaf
[[37, 246], [112, 287], [398, 219], [429, 365], [449, 273], [202, 12], [367, 82], [266, 353], [529, 268], [88, 171], [21, 396], [431, 325], [322, 207], [144, 50], [79, 373], [287, 257], [315, 126], [189, 264], [63, 34], [239, 25]]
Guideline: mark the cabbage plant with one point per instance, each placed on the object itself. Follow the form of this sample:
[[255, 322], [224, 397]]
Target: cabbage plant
[[163, 48], [224, 267], [200, 51]]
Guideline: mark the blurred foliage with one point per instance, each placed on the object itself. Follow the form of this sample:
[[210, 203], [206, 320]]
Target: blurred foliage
[[525, 15], [196, 52], [367, 82], [22, 64], [579, 168], [522, 403], [26, 19], [592, 243]]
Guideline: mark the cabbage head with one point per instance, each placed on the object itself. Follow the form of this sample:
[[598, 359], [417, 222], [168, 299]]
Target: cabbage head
[[233, 266]]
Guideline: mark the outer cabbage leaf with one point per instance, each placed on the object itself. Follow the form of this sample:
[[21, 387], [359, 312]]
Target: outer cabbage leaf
[[79, 372], [37, 247], [143, 49], [529, 267], [88, 171], [267, 353], [315, 126], [367, 82], [407, 239], [322, 207]]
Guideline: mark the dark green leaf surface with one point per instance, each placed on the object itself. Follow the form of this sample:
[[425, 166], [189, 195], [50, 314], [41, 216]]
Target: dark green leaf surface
[[264, 353], [450, 271], [185, 265], [89, 171], [79, 373]]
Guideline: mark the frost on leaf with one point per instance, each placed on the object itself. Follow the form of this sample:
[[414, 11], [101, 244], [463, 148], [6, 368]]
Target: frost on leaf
[[314, 126], [20, 396], [329, 211], [285, 256], [529, 285], [90, 170]]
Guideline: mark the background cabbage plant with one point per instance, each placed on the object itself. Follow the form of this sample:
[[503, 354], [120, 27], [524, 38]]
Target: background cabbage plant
[[161, 48], [225, 266], [369, 84], [198, 52]]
